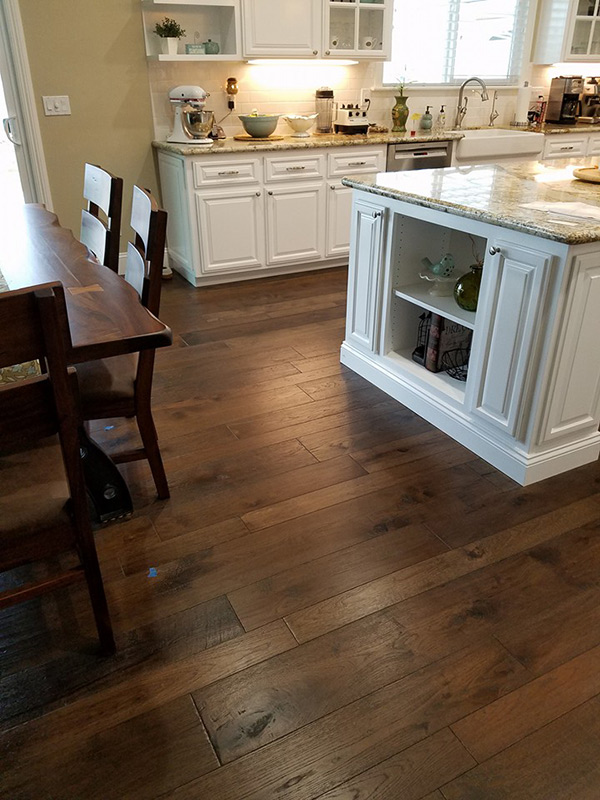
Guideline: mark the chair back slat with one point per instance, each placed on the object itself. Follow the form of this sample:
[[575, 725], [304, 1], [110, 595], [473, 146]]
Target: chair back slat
[[135, 269], [27, 413], [104, 193], [94, 235], [21, 335], [141, 211]]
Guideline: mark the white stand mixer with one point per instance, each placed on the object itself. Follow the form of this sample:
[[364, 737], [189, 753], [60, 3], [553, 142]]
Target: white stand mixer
[[191, 122]]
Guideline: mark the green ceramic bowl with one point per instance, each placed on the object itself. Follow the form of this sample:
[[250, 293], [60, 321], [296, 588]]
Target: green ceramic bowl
[[260, 125]]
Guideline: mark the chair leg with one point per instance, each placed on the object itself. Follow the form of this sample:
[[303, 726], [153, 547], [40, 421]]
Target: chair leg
[[93, 576], [150, 442]]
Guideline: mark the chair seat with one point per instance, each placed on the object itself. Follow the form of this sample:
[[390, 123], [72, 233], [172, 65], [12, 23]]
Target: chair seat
[[107, 384], [34, 491]]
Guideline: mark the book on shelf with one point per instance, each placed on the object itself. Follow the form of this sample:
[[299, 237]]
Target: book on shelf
[[445, 336]]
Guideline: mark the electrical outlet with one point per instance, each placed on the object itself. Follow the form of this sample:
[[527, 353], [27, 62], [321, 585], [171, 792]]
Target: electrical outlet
[[56, 105], [365, 94]]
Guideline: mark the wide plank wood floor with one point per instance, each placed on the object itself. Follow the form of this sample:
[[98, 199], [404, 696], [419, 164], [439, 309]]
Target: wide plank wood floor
[[338, 602]]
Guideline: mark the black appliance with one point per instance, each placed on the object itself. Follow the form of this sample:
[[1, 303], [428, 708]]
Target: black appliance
[[564, 103]]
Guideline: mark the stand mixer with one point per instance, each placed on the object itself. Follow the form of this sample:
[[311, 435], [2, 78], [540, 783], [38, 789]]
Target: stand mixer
[[191, 122]]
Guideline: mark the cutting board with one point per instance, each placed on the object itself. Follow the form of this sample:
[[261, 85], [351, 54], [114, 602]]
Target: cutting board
[[591, 174]]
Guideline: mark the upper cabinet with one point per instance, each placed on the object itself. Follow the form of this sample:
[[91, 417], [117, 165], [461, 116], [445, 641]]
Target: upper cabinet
[[217, 20], [567, 30], [358, 29]]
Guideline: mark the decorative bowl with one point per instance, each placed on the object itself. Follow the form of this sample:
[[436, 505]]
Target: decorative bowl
[[259, 125], [300, 123]]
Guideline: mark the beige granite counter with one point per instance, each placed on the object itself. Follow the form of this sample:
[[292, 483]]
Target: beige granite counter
[[231, 145], [496, 195]]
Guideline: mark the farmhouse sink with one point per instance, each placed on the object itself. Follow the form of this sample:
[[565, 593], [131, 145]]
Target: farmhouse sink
[[491, 144]]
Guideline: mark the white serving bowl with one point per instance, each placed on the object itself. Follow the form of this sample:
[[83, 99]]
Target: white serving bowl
[[300, 123]]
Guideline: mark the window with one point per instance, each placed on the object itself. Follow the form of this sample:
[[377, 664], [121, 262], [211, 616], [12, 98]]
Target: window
[[446, 41]]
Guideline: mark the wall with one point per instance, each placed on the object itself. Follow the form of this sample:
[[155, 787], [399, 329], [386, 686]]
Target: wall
[[291, 90], [93, 51]]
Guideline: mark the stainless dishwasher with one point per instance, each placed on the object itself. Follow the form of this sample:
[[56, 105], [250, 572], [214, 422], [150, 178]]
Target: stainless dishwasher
[[418, 155]]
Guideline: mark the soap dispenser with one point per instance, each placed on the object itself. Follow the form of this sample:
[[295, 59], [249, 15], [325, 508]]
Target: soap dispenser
[[426, 120], [440, 122]]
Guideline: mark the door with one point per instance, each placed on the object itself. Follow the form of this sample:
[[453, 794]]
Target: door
[[502, 369], [339, 205], [285, 28], [295, 223], [21, 153], [230, 230]]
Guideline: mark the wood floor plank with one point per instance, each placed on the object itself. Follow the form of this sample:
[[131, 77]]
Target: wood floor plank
[[294, 588], [144, 757], [514, 716], [561, 761], [390, 589], [334, 749], [409, 774]]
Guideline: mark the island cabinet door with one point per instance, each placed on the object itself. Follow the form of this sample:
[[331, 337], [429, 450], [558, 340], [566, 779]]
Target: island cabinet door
[[504, 364], [573, 408], [364, 275]]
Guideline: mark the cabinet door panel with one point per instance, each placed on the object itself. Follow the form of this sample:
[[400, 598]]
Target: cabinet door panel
[[339, 209], [230, 228], [295, 223], [502, 361], [364, 275], [281, 27], [174, 195], [575, 392]]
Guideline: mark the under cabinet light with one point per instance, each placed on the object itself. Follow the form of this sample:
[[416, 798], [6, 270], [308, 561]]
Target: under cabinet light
[[314, 62]]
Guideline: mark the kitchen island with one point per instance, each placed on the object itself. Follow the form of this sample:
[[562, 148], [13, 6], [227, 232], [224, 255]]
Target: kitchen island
[[530, 404]]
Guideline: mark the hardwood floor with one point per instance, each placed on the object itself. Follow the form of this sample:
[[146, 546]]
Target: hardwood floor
[[344, 603]]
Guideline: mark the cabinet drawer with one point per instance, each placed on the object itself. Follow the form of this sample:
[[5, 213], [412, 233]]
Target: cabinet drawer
[[560, 146], [594, 145], [355, 161], [218, 173], [287, 168]]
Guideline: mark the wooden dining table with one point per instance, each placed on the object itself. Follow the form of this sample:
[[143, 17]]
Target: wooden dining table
[[106, 318]]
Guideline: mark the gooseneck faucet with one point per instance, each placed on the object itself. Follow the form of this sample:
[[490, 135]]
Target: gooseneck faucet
[[462, 101]]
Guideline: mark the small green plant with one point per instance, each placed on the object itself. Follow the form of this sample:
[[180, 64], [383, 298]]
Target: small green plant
[[169, 29]]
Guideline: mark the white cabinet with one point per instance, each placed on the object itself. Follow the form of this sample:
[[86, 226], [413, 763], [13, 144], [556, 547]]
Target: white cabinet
[[567, 30], [244, 215], [594, 145], [364, 275], [317, 28], [510, 305], [571, 145], [295, 223], [218, 20], [232, 222], [286, 28]]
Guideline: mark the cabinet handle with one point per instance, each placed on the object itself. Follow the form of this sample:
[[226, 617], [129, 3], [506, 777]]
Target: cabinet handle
[[567, 147], [294, 169], [494, 251], [229, 172], [258, 194], [315, 52], [332, 188], [270, 193], [356, 163], [377, 214], [327, 52]]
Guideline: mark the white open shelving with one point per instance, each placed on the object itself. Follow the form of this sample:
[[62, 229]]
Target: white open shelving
[[445, 306]]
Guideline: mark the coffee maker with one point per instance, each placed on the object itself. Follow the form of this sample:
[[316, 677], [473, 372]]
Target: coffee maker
[[590, 101], [564, 105]]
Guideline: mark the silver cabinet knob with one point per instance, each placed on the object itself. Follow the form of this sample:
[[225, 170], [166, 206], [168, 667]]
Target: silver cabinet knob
[[270, 193], [315, 52], [258, 194], [327, 52], [377, 214], [494, 251]]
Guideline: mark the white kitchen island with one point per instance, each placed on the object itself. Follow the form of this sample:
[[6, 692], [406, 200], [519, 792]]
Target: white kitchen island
[[531, 402]]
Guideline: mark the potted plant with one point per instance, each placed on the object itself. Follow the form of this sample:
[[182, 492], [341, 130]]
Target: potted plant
[[170, 32]]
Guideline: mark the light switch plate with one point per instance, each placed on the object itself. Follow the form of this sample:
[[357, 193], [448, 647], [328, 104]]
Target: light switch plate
[[56, 105]]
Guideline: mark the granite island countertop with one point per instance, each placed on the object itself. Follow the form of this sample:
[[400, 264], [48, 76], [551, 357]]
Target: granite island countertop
[[231, 145], [497, 194]]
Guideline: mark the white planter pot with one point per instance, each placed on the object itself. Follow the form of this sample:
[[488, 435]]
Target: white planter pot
[[170, 45]]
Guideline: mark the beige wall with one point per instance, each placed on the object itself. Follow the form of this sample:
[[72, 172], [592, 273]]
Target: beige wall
[[93, 51]]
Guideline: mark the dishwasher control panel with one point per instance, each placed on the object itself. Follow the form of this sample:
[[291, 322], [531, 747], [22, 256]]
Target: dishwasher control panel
[[418, 155]]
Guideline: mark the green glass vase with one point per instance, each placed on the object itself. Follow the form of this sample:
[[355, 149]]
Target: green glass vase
[[466, 288], [399, 114]]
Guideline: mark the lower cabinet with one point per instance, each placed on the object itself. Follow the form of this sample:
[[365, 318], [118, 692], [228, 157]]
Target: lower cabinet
[[339, 203], [232, 223], [295, 223]]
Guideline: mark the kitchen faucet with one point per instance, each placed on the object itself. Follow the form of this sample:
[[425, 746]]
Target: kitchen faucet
[[494, 115], [462, 103]]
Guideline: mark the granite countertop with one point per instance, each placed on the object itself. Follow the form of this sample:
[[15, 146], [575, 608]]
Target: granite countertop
[[496, 195], [231, 145]]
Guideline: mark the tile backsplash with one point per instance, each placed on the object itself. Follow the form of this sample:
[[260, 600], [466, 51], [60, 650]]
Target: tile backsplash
[[290, 89]]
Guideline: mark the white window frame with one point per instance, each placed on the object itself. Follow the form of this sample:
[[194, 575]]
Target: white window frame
[[528, 11]]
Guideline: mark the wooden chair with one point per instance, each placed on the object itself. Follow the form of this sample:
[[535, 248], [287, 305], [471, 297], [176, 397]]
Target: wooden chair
[[122, 386], [103, 192], [43, 501]]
